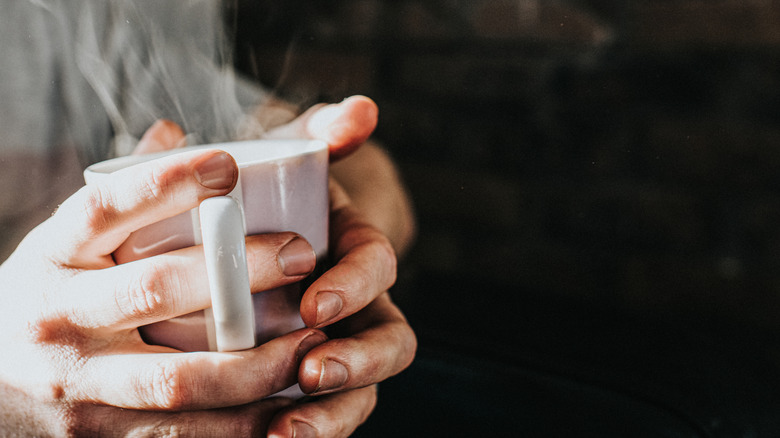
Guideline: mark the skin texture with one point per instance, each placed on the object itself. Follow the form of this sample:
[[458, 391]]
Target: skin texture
[[70, 315]]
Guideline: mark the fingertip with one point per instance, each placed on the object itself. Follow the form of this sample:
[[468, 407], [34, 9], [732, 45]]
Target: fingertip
[[364, 105], [297, 258], [337, 414], [282, 424], [169, 128], [363, 116], [312, 340], [346, 125], [164, 134], [309, 374]]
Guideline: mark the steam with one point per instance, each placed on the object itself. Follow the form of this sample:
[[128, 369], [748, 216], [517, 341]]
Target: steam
[[83, 79], [139, 61]]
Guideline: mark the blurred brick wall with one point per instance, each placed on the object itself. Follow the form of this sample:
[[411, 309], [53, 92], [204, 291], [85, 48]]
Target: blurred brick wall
[[622, 153]]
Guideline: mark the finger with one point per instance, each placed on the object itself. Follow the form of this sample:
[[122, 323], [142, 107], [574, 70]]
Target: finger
[[243, 421], [172, 284], [343, 126], [335, 415], [24, 415], [382, 345], [100, 216], [366, 267], [189, 381], [161, 136]]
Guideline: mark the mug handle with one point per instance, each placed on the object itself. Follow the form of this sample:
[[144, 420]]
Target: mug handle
[[222, 230]]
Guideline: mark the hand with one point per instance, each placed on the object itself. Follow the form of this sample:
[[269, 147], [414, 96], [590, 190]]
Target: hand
[[73, 355], [372, 339]]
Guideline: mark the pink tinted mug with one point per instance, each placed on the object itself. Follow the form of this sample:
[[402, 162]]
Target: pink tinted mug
[[283, 186]]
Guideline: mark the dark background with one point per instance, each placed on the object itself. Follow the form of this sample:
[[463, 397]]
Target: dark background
[[596, 187]]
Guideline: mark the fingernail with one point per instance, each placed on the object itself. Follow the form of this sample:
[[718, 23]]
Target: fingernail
[[309, 342], [219, 171], [297, 258], [333, 375], [303, 430], [329, 305]]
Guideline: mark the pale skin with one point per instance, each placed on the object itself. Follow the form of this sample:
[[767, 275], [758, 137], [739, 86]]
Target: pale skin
[[76, 365]]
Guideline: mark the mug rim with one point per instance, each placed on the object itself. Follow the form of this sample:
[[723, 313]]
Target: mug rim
[[279, 149]]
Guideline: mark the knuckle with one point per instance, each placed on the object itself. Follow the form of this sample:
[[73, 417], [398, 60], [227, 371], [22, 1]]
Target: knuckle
[[74, 420], [392, 360], [387, 251], [60, 334], [371, 368], [169, 431], [345, 425], [99, 209], [146, 297], [154, 186], [168, 388], [382, 245], [409, 350], [402, 336], [85, 419], [370, 404], [386, 254]]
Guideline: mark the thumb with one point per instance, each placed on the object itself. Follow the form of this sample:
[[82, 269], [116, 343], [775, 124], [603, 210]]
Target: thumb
[[343, 126]]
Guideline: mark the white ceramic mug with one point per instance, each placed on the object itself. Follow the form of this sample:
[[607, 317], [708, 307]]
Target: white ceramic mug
[[283, 186]]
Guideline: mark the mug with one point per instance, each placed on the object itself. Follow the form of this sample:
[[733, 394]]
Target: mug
[[282, 186]]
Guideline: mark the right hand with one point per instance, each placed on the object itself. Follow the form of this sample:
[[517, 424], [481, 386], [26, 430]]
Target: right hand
[[72, 359]]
